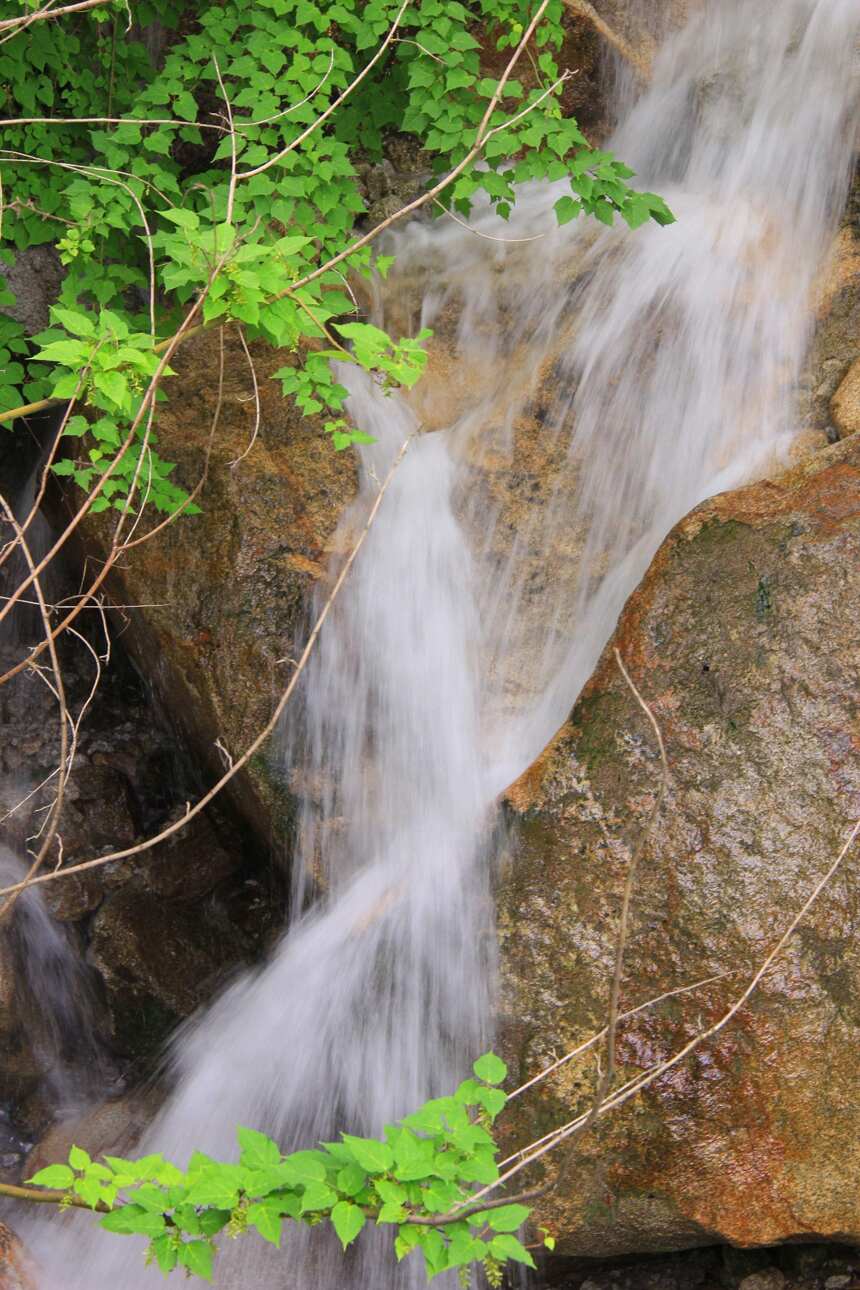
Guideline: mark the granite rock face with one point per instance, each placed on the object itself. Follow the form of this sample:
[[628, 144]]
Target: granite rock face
[[225, 592], [744, 639], [16, 1272]]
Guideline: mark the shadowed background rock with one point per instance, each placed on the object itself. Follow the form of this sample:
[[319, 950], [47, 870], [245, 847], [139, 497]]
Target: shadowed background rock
[[745, 641]]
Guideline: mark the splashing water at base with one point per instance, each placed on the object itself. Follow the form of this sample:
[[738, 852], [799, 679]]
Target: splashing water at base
[[589, 389]]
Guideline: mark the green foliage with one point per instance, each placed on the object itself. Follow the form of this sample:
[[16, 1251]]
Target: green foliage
[[145, 200], [419, 1180]]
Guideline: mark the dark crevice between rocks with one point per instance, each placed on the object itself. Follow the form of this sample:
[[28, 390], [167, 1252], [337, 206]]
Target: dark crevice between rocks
[[801, 1266], [152, 937]]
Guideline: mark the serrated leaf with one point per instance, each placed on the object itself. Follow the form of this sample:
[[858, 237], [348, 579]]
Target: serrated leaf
[[79, 324], [90, 1190], [351, 1179], [213, 1189], [374, 1157], [198, 1257], [347, 1220], [317, 1196], [493, 1100], [133, 1220], [70, 353], [507, 1218], [165, 1253], [258, 1151], [267, 1222], [508, 1247], [303, 1167], [566, 209], [78, 1158], [58, 1177], [490, 1068]]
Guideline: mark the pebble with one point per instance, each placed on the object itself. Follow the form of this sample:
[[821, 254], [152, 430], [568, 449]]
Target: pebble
[[767, 1279]]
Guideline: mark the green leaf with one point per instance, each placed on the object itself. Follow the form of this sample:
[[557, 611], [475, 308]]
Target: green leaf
[[317, 1196], [133, 1220], [303, 1167], [391, 1191], [351, 1180], [213, 1189], [492, 1099], [91, 1191], [267, 1221], [258, 1151], [78, 1158], [507, 1218], [71, 353], [566, 209], [58, 1177], [490, 1068], [79, 324], [166, 1253], [347, 1220], [198, 1257], [374, 1157], [508, 1247], [213, 1220], [434, 1250], [114, 385]]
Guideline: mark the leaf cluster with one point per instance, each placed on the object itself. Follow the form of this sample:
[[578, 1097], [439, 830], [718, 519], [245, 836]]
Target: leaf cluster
[[243, 203], [419, 1180]]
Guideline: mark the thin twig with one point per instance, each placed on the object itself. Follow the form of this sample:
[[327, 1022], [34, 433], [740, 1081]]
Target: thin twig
[[261, 738], [257, 407], [334, 105], [536, 1150], [25, 20], [601, 1034], [54, 815]]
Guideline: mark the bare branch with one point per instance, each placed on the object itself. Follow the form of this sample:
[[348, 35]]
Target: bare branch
[[25, 20], [257, 408], [335, 104], [54, 815], [264, 733], [536, 1150], [601, 1034]]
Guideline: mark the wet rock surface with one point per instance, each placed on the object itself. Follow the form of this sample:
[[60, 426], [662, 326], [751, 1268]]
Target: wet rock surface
[[744, 639], [845, 404], [795, 1267], [225, 592], [16, 1273], [830, 394], [128, 949]]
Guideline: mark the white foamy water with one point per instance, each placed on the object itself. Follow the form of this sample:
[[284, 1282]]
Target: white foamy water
[[661, 366], [46, 982]]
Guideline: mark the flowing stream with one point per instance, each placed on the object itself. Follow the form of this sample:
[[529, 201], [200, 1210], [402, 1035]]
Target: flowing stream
[[587, 388], [40, 964]]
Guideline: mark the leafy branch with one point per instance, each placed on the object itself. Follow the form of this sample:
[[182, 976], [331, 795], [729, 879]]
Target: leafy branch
[[417, 1179]]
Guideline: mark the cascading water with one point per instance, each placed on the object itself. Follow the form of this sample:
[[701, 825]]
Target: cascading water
[[641, 372], [40, 964]]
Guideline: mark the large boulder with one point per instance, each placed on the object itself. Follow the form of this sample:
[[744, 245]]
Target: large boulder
[[16, 1271], [830, 387], [223, 594], [745, 640], [845, 404]]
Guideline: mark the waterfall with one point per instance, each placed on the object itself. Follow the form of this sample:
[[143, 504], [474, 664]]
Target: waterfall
[[40, 964], [586, 389]]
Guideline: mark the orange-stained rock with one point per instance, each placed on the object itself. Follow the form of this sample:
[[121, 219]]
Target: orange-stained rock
[[745, 639], [16, 1271]]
